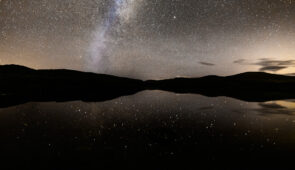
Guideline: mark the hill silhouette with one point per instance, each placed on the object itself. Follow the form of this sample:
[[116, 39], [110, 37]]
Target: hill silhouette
[[249, 86], [20, 84]]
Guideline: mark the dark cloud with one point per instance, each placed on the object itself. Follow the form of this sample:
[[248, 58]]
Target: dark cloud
[[270, 62], [266, 64], [274, 109], [207, 64], [271, 106], [272, 68], [240, 61], [274, 65]]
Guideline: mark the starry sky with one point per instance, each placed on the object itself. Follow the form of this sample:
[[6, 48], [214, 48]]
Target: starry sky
[[150, 39]]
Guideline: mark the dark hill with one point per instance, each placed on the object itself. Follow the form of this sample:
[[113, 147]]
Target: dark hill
[[250, 86], [21, 84]]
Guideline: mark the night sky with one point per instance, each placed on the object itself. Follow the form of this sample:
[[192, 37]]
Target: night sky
[[150, 39]]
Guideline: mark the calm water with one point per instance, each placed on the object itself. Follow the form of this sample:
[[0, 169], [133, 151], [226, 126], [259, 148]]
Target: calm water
[[149, 130]]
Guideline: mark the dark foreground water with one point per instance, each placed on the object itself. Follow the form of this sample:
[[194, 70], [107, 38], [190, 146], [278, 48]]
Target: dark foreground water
[[149, 130]]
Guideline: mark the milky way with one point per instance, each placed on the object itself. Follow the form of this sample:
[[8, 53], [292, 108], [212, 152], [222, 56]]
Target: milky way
[[149, 39], [118, 14]]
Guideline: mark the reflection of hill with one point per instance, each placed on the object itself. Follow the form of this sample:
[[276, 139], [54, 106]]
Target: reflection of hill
[[20, 84]]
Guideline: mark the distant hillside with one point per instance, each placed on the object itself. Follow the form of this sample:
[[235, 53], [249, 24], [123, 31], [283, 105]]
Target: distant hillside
[[249, 86], [21, 84]]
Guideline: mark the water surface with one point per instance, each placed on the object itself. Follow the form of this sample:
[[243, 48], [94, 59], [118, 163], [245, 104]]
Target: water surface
[[151, 129]]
